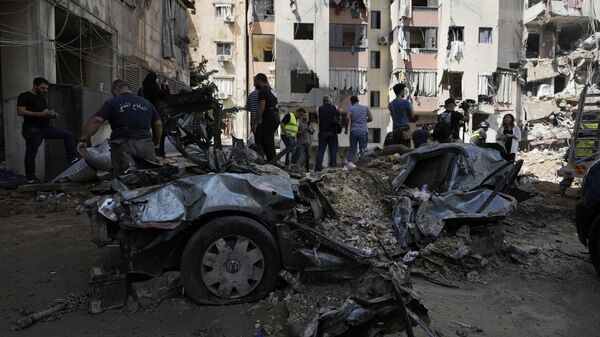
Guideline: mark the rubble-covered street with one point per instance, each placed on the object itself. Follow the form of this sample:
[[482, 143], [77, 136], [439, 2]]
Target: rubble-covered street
[[545, 286]]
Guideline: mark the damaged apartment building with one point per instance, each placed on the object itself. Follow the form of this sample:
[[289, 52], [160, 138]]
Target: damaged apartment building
[[441, 48], [561, 54], [81, 46], [467, 50]]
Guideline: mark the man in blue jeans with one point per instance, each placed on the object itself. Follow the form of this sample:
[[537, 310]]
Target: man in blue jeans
[[328, 118], [359, 115], [33, 107]]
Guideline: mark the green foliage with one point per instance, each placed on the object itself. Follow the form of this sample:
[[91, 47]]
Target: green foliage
[[200, 76]]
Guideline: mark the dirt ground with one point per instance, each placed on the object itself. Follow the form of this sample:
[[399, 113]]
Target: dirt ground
[[46, 254]]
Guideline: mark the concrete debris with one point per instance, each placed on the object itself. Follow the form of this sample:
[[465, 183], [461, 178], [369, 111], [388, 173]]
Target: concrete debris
[[541, 69], [543, 164], [151, 293]]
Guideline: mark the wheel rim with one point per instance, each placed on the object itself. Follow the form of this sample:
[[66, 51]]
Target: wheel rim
[[232, 266]]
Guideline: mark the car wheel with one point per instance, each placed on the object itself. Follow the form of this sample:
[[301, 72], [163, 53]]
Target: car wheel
[[594, 243], [230, 260]]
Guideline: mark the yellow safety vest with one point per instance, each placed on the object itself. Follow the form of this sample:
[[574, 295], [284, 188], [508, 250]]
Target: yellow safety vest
[[292, 126], [586, 143]]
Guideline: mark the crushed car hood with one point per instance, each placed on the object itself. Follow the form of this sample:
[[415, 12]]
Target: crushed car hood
[[448, 167], [187, 199]]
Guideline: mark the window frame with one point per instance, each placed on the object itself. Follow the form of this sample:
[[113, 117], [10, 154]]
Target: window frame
[[222, 6], [490, 30], [297, 26], [372, 99], [223, 45], [373, 21], [378, 59]]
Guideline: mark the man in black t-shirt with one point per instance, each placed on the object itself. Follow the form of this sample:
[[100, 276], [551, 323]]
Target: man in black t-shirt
[[130, 117], [268, 114], [32, 106]]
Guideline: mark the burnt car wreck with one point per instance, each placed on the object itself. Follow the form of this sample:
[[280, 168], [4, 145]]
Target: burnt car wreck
[[235, 230]]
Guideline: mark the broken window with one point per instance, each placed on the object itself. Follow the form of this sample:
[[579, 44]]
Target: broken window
[[223, 10], [421, 37], [374, 135], [374, 99], [422, 83], [455, 34], [532, 3], [83, 52], [570, 36], [375, 59], [533, 45], [303, 81], [485, 88], [504, 81], [303, 31], [223, 48], [263, 10], [485, 35], [262, 47], [560, 82], [424, 3], [455, 85], [375, 19], [347, 37]]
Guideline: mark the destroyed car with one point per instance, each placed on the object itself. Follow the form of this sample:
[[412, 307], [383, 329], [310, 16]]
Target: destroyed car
[[587, 215], [229, 236]]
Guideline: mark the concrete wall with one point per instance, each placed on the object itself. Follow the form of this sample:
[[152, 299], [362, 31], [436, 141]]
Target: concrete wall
[[212, 30], [307, 55], [135, 33], [477, 57], [510, 32]]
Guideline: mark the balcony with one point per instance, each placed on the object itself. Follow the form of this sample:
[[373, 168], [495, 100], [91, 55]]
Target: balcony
[[426, 105], [423, 17], [426, 59], [347, 59], [263, 67], [263, 27]]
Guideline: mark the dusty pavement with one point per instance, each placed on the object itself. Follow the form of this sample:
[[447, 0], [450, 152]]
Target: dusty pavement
[[46, 253]]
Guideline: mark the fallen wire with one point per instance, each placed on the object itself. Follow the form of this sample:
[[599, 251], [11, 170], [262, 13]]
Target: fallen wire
[[54, 311]]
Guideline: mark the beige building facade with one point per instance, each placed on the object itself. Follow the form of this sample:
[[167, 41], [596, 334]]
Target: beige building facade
[[440, 48], [219, 34]]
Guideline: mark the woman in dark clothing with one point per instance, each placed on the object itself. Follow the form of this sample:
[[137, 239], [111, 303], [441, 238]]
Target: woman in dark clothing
[[509, 136]]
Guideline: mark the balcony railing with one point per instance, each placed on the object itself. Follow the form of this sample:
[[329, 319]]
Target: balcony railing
[[355, 49], [423, 50], [423, 8], [264, 17]]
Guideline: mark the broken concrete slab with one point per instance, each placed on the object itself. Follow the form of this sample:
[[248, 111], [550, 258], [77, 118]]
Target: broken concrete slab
[[536, 109], [541, 70]]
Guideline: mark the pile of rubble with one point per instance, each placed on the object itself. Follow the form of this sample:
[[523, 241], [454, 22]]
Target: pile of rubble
[[543, 164]]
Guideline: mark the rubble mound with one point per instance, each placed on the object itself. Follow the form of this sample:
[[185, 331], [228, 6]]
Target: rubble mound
[[359, 198], [544, 164]]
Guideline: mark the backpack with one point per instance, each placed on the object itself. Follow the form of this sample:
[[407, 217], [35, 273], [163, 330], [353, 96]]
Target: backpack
[[443, 128]]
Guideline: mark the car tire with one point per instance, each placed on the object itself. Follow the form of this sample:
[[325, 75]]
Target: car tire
[[594, 243], [230, 260]]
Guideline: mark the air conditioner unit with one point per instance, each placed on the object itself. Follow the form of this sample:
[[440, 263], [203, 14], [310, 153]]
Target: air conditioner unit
[[229, 18], [222, 95], [384, 39], [223, 58]]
